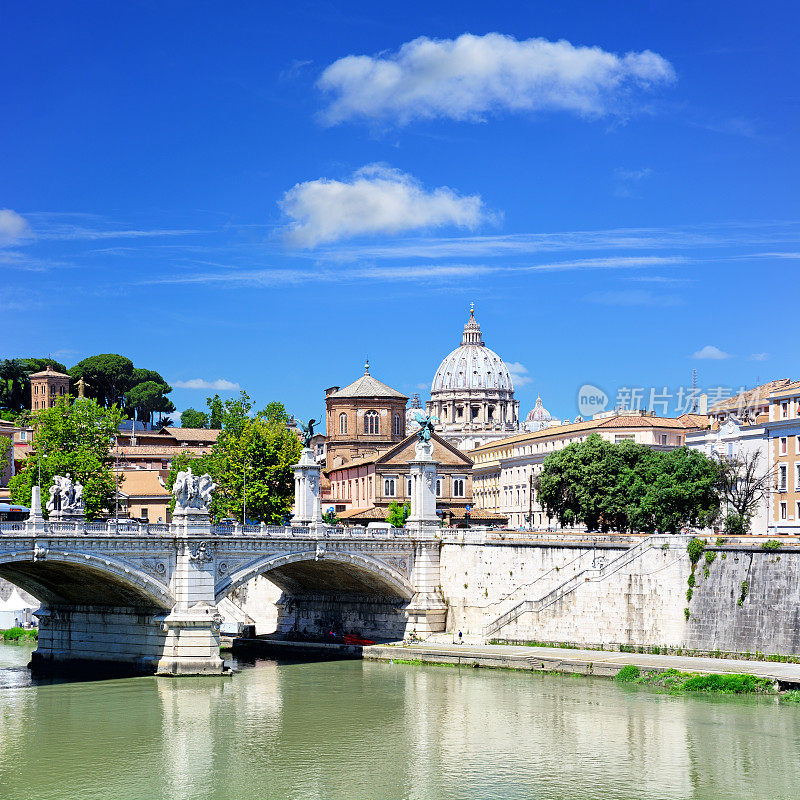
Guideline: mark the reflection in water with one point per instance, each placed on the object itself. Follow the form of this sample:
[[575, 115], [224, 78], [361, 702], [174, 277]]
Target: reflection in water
[[350, 729]]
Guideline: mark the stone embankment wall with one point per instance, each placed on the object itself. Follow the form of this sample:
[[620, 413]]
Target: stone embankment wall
[[611, 596]]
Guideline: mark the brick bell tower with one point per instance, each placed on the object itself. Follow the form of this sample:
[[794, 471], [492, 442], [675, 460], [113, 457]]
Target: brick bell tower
[[47, 387]]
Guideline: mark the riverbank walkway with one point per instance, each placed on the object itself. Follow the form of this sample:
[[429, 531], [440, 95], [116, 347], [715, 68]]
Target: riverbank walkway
[[603, 663], [606, 663]]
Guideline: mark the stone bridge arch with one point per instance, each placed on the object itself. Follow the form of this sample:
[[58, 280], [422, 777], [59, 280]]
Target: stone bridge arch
[[64, 578], [310, 571]]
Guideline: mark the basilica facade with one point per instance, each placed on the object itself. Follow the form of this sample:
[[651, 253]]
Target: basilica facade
[[472, 394]]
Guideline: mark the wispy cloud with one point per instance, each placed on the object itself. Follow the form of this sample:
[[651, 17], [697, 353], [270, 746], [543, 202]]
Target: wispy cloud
[[376, 199], [519, 374], [482, 246], [759, 356], [218, 385], [471, 77], [628, 180], [710, 352], [404, 274], [13, 227]]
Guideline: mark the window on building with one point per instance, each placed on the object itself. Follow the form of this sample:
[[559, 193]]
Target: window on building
[[342, 423], [408, 487], [490, 413], [23, 436], [782, 477], [664, 438], [783, 445], [438, 487], [459, 412], [397, 430], [458, 487], [475, 410], [784, 410], [389, 487], [783, 510], [371, 422]]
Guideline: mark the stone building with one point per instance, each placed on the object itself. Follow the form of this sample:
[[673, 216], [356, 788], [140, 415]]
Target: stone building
[[472, 393], [783, 432], [47, 387], [363, 419], [361, 490], [504, 471]]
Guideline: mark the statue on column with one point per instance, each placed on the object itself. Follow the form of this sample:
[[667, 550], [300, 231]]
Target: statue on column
[[308, 432], [425, 427], [192, 493]]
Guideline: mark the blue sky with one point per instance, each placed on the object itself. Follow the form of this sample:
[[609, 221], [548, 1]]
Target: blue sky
[[264, 194]]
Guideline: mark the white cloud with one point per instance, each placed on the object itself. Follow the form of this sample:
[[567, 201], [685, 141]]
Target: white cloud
[[519, 374], [219, 385], [711, 352], [759, 356], [471, 76], [375, 200], [13, 226]]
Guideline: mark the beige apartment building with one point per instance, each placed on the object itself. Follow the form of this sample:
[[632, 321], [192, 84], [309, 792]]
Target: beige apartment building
[[783, 432], [504, 471]]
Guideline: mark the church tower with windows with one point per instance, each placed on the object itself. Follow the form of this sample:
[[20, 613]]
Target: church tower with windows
[[47, 387], [362, 419]]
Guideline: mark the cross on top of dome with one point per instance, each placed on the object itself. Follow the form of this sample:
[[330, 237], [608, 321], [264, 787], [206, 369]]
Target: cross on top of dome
[[472, 331]]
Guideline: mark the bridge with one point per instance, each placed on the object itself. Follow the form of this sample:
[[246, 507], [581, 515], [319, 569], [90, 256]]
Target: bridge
[[145, 596]]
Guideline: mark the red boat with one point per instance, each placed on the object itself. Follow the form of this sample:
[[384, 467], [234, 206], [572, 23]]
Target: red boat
[[348, 639]]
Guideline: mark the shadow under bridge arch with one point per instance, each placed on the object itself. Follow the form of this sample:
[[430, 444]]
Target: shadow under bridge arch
[[83, 579], [330, 573]]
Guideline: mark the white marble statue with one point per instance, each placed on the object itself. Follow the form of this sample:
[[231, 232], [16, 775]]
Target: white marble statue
[[192, 493], [66, 497]]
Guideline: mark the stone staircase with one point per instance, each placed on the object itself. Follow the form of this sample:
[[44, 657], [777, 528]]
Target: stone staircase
[[587, 574]]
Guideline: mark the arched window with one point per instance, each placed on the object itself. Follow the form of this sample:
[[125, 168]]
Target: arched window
[[371, 422], [397, 424], [342, 423]]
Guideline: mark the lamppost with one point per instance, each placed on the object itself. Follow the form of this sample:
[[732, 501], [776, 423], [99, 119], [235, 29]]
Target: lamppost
[[244, 502], [115, 444]]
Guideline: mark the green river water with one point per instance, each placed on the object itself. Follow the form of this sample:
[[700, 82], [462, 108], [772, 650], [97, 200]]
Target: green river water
[[352, 729]]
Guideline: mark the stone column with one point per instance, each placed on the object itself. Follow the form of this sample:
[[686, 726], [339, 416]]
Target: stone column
[[191, 628], [422, 471], [35, 525], [307, 511], [427, 611]]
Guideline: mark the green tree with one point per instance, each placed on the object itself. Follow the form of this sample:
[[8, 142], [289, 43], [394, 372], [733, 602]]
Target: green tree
[[275, 412], [108, 377], [397, 514], [192, 418], [75, 438], [215, 407], [15, 380], [628, 486], [147, 398], [264, 450]]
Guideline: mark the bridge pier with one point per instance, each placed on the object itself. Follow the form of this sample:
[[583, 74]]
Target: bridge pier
[[191, 629]]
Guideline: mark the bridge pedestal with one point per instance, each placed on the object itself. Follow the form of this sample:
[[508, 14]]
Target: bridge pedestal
[[427, 611], [307, 510]]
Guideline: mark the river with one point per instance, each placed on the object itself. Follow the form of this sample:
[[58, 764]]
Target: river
[[352, 729]]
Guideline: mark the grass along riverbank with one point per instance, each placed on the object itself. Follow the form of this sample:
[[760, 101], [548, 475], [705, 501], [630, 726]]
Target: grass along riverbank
[[674, 680], [19, 635]]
